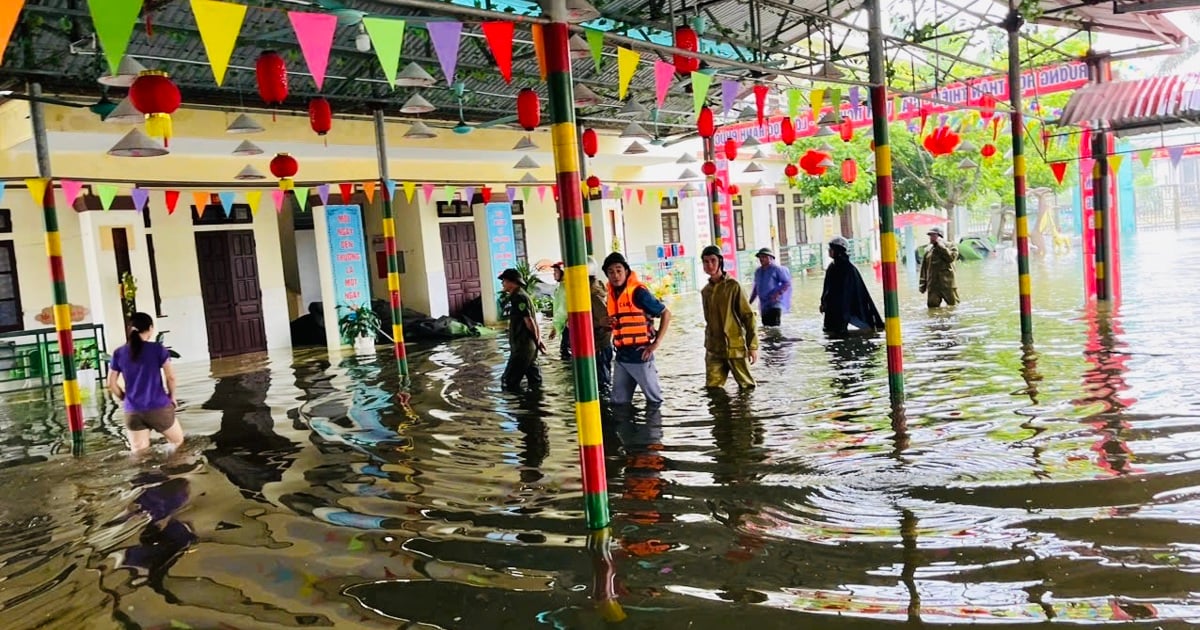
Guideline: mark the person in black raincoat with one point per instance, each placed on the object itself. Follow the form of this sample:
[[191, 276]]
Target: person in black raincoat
[[845, 301]]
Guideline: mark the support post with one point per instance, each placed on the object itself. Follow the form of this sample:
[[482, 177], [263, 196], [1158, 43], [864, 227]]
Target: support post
[[579, 302], [1020, 211], [58, 278], [1100, 193], [389, 245], [883, 179]]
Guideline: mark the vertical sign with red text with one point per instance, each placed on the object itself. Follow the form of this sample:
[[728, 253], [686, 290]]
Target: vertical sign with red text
[[347, 250], [502, 242]]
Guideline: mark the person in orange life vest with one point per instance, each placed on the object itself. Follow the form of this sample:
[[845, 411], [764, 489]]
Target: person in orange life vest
[[630, 308]]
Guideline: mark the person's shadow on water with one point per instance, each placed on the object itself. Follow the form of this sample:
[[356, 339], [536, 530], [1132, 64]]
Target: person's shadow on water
[[851, 358], [738, 436]]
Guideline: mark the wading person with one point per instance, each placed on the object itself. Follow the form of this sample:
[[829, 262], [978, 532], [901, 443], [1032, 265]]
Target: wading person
[[631, 308], [937, 271], [845, 300], [601, 330], [560, 313], [524, 337], [730, 335], [772, 288], [144, 365]]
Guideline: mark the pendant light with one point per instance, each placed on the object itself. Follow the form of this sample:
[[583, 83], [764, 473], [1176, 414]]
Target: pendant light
[[137, 144], [247, 148], [243, 124]]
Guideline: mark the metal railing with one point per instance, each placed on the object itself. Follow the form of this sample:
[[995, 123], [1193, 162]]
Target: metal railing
[[1168, 206], [30, 359], [801, 258], [668, 277]]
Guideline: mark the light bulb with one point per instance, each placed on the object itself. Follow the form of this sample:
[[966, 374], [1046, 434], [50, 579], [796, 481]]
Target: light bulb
[[362, 41]]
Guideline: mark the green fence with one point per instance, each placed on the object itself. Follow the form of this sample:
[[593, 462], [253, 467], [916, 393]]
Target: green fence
[[801, 258], [668, 277], [30, 359]]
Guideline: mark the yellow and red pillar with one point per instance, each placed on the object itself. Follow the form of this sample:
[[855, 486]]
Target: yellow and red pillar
[[389, 248], [579, 302]]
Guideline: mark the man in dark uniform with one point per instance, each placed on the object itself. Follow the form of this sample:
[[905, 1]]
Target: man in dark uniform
[[524, 336]]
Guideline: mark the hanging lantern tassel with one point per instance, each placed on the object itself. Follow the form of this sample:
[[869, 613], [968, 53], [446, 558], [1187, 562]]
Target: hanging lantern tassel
[[159, 126], [593, 184]]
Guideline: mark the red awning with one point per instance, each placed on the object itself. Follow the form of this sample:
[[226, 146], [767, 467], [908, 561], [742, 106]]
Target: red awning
[[1138, 106]]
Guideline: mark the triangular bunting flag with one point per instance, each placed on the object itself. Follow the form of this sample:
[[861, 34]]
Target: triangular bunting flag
[[219, 24], [369, 190], [315, 32], [70, 190], [525, 194], [486, 194], [794, 98], [628, 193], [387, 38], [390, 185], [107, 193], [8, 21], [1114, 163], [323, 193], [1176, 154], [817, 98], [450, 190], [511, 193], [3, 185], [627, 63], [595, 40], [664, 74], [200, 199], [855, 101], [554, 191], [301, 198], [539, 48], [172, 199], [469, 194], [542, 194], [500, 37], [445, 38], [227, 197], [140, 197], [729, 90], [641, 195], [254, 200], [37, 189], [700, 84], [1059, 169], [426, 190], [113, 21], [409, 189], [1144, 156], [658, 194], [347, 191], [835, 101], [277, 197]]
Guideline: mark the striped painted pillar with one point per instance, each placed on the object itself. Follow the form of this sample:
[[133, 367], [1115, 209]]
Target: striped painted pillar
[[1020, 210], [579, 300], [62, 313], [883, 187], [1100, 203], [393, 280]]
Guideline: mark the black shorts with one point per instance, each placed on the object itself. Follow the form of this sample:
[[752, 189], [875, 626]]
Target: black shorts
[[155, 419], [771, 315]]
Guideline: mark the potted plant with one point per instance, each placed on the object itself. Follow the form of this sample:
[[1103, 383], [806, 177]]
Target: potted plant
[[359, 325], [86, 369]]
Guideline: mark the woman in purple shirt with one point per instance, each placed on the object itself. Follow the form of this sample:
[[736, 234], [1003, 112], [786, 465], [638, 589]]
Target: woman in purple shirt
[[148, 405]]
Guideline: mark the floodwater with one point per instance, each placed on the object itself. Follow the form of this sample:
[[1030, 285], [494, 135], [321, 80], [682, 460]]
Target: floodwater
[[1058, 486]]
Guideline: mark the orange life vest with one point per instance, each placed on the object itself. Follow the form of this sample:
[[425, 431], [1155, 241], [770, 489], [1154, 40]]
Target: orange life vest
[[630, 324]]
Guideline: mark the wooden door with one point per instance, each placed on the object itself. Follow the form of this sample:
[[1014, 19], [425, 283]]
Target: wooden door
[[11, 314], [120, 239], [461, 262], [232, 298]]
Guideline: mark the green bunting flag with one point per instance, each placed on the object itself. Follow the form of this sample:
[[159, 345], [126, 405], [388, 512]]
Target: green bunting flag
[[387, 37], [113, 21]]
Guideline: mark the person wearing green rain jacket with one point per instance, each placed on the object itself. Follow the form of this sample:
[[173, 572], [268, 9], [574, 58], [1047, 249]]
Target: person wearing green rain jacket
[[730, 332], [560, 313], [937, 270]]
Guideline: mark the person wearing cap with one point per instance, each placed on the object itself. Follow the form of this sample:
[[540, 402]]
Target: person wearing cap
[[524, 337], [631, 308], [772, 287], [845, 300], [560, 313], [730, 335], [937, 270]]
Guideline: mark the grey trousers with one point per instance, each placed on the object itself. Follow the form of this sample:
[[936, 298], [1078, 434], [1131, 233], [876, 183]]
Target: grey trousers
[[627, 376]]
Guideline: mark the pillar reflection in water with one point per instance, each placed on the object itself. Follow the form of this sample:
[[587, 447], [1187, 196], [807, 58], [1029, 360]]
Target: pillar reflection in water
[[246, 448], [1104, 384]]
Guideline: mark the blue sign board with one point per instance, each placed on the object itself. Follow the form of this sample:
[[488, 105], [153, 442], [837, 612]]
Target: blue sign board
[[501, 242], [348, 255]]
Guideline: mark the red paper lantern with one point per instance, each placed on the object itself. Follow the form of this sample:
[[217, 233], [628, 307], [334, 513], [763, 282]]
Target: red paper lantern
[[760, 101], [708, 168], [271, 73], [787, 131], [734, 190], [941, 141], [590, 142], [593, 182], [849, 170], [987, 106], [846, 130], [988, 150], [154, 94], [731, 148], [529, 109], [285, 168], [705, 124], [790, 170], [686, 39], [320, 116], [811, 162]]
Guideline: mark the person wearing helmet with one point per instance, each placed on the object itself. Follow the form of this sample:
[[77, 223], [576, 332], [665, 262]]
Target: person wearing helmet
[[559, 313], [937, 270], [845, 300], [631, 309], [730, 336], [773, 284], [524, 336]]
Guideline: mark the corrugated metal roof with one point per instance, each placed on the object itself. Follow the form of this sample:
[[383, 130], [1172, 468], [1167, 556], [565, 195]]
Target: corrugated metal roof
[[1138, 106]]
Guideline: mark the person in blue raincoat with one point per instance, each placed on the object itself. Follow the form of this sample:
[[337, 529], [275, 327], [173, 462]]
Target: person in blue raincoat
[[772, 288]]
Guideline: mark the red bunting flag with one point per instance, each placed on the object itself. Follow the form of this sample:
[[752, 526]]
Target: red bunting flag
[[641, 194], [172, 200], [486, 193], [500, 37], [1059, 169], [347, 190]]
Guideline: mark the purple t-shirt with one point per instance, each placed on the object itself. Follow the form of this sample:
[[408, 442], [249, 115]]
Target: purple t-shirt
[[144, 390]]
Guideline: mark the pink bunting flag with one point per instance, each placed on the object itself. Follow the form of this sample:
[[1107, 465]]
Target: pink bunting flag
[[445, 37], [140, 197], [70, 189], [542, 193], [729, 90], [427, 190], [664, 74], [500, 37], [1176, 154], [628, 195], [323, 193], [511, 192], [315, 31], [277, 197]]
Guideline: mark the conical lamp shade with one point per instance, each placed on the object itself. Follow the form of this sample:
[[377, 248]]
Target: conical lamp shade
[[750, 141], [967, 164], [243, 124], [528, 178], [137, 144], [125, 113], [632, 108], [753, 167], [579, 47], [126, 73], [690, 187], [826, 163], [636, 131], [759, 155], [687, 158], [825, 131], [416, 104], [420, 131], [247, 148], [525, 163], [414, 76], [635, 148], [584, 97], [249, 173], [525, 144], [688, 174]]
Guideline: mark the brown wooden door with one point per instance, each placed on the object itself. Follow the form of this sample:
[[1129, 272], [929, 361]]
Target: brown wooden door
[[232, 298], [461, 262], [11, 314]]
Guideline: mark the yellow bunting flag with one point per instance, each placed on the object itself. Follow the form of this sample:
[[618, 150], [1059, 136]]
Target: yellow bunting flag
[[254, 198], [410, 189], [201, 199], [627, 63], [539, 49], [37, 189], [817, 98], [1114, 163], [219, 24]]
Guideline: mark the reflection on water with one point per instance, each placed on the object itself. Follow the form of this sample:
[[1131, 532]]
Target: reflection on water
[[1056, 482]]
